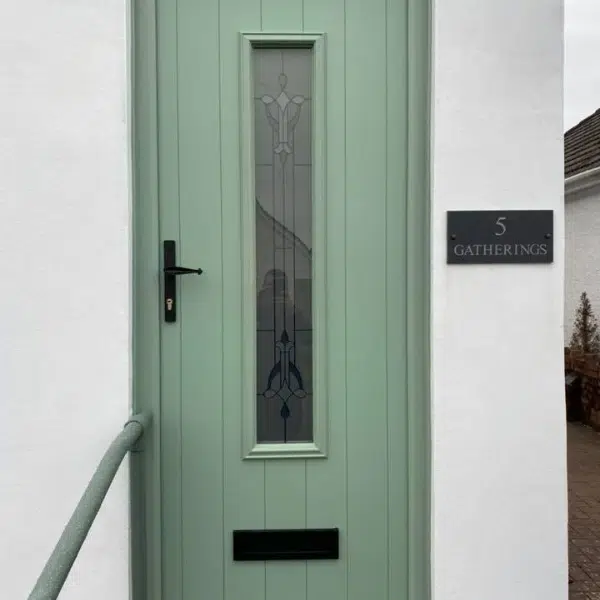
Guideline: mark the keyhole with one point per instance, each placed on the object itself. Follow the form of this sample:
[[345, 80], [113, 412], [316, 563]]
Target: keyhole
[[169, 303]]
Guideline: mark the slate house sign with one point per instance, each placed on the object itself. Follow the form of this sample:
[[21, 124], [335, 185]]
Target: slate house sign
[[494, 236]]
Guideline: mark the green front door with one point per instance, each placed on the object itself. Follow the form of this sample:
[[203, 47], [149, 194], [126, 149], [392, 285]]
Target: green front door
[[283, 172]]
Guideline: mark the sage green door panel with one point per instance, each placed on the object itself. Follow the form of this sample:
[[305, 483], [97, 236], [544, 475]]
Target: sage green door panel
[[360, 482]]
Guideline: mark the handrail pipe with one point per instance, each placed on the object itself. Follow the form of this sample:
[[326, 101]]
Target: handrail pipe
[[54, 575]]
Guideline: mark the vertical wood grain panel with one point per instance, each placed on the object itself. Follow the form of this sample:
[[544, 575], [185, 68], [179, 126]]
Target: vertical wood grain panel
[[397, 290], [169, 218], [244, 483], [366, 292], [282, 16], [201, 297], [146, 506], [326, 481], [418, 301]]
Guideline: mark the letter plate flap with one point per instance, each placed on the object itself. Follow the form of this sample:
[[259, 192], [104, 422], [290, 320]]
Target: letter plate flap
[[286, 544]]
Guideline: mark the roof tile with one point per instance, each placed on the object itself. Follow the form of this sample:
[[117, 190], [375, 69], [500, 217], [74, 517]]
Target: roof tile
[[582, 146]]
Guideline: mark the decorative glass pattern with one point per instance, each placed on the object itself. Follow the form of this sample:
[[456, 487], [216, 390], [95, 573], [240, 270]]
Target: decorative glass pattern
[[282, 103]]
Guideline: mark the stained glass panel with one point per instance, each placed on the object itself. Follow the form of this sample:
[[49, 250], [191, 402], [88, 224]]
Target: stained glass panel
[[282, 104]]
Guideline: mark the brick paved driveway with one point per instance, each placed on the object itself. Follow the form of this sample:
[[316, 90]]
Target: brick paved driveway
[[584, 512]]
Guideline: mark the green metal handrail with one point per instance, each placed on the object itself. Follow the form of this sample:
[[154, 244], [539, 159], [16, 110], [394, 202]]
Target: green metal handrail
[[52, 578]]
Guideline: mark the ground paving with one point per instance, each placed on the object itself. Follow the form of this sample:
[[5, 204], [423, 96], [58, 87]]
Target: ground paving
[[584, 512]]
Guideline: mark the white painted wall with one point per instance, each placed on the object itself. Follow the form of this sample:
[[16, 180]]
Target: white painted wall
[[499, 472], [582, 253], [64, 306], [499, 505]]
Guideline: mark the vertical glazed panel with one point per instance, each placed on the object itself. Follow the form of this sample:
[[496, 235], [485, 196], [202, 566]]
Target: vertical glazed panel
[[284, 503], [284, 245], [282, 79]]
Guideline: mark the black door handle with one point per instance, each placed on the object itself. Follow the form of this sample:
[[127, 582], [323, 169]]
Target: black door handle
[[171, 271], [181, 271]]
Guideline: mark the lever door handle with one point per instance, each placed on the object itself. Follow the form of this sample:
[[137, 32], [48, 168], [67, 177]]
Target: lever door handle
[[171, 271], [181, 271]]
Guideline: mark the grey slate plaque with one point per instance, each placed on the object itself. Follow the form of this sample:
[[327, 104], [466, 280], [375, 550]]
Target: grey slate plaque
[[500, 236]]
